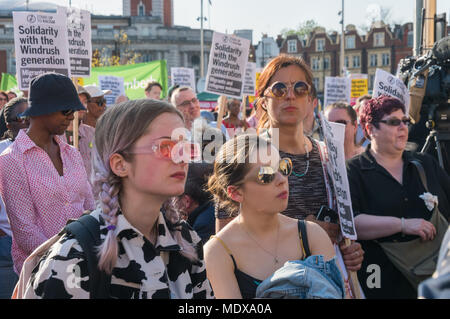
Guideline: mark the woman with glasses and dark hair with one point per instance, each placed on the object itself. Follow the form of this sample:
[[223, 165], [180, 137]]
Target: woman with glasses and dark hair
[[146, 254], [343, 113], [388, 197], [250, 177], [8, 277], [43, 182]]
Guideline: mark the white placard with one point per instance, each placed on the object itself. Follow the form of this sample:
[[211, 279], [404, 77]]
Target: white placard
[[79, 39], [227, 62], [113, 83], [183, 77], [387, 84], [40, 42], [334, 134], [337, 89], [250, 79]]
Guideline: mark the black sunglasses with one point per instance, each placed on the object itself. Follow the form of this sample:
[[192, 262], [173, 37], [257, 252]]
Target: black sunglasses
[[280, 89], [266, 174], [396, 122], [67, 112], [100, 102]]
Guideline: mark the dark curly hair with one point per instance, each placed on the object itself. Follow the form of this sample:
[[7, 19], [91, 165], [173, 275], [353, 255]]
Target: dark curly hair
[[374, 110]]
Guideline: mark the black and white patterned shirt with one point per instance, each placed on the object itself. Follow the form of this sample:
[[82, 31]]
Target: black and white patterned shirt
[[140, 271]]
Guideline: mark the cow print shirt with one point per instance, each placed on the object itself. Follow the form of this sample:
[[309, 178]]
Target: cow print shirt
[[140, 271]]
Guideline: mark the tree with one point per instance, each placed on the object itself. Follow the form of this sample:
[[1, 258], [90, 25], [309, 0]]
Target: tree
[[303, 29], [375, 12], [121, 53]]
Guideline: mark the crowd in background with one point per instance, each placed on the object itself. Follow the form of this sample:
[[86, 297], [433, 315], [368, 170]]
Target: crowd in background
[[214, 228]]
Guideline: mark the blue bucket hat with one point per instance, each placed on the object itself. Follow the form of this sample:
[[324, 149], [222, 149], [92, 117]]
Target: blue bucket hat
[[50, 93]]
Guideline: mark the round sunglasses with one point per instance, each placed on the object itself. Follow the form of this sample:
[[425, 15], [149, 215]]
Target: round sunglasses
[[266, 174], [280, 89], [176, 151]]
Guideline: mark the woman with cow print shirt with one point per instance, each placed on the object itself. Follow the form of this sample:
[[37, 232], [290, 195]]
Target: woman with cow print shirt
[[148, 254]]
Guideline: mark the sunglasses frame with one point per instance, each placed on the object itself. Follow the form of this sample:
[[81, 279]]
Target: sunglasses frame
[[389, 122], [99, 103], [264, 170], [155, 148], [67, 112], [289, 86]]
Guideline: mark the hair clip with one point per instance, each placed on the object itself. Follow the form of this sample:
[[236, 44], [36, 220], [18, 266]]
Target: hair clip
[[111, 227]]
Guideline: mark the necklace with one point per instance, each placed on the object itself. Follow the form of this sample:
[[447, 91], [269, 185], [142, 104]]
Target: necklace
[[307, 161], [275, 256]]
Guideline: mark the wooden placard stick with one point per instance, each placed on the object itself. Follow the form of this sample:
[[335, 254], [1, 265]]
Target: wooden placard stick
[[353, 277], [75, 119], [244, 110], [222, 101]]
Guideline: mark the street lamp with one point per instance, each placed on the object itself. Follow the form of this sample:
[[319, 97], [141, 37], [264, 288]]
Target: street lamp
[[201, 18], [341, 13]]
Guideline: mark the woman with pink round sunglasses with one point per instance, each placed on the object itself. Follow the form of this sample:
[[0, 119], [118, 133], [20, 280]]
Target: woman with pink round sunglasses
[[146, 253]]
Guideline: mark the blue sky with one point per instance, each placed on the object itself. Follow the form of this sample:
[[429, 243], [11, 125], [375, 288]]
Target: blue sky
[[270, 16]]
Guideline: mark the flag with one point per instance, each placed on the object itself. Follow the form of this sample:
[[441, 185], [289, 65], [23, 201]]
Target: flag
[[8, 82]]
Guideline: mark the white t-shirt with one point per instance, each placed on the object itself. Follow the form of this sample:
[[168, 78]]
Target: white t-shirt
[[4, 222]]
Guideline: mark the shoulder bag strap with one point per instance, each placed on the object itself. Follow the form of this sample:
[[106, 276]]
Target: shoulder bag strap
[[422, 175], [304, 238]]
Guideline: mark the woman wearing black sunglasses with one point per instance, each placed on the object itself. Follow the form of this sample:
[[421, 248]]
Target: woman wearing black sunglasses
[[388, 197], [250, 177]]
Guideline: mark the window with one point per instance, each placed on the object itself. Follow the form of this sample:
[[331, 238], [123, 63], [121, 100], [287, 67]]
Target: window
[[346, 61], [292, 46], [378, 39], [320, 45], [141, 10], [356, 61], [371, 80], [315, 64], [350, 42], [386, 59], [326, 63], [316, 83], [373, 60], [410, 39]]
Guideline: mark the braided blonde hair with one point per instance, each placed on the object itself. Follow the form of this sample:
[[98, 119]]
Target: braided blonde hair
[[116, 132]]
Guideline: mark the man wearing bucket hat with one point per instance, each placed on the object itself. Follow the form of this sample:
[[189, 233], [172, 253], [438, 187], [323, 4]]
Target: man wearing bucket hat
[[96, 104], [43, 182]]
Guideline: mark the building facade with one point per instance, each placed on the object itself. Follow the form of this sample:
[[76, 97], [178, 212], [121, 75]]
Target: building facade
[[148, 25]]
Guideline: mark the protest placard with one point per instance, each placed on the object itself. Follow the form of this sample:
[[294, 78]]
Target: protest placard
[[334, 134], [79, 40], [337, 89], [40, 42], [183, 77], [249, 86], [387, 84], [227, 62], [359, 86], [113, 83]]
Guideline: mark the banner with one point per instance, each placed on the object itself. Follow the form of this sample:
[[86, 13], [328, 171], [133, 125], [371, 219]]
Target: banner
[[40, 42], [387, 84], [337, 89], [249, 80], [359, 86], [9, 82], [113, 83], [334, 134], [135, 76], [79, 40], [227, 61], [183, 77]]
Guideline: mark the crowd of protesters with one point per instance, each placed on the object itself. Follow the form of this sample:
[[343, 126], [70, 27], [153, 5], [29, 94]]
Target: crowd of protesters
[[228, 224]]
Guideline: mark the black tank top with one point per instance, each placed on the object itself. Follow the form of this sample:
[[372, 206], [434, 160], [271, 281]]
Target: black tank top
[[248, 284]]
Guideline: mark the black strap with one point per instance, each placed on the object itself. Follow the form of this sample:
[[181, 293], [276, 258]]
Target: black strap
[[86, 230], [423, 176], [302, 231]]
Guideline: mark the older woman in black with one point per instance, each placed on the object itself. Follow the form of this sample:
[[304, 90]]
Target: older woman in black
[[386, 194]]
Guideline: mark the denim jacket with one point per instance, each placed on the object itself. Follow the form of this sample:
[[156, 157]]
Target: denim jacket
[[312, 278]]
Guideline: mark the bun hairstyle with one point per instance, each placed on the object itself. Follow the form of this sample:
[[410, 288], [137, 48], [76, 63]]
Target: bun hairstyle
[[231, 165], [274, 65], [116, 132]]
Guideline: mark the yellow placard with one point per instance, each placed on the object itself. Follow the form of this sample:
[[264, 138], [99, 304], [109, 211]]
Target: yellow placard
[[359, 87]]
